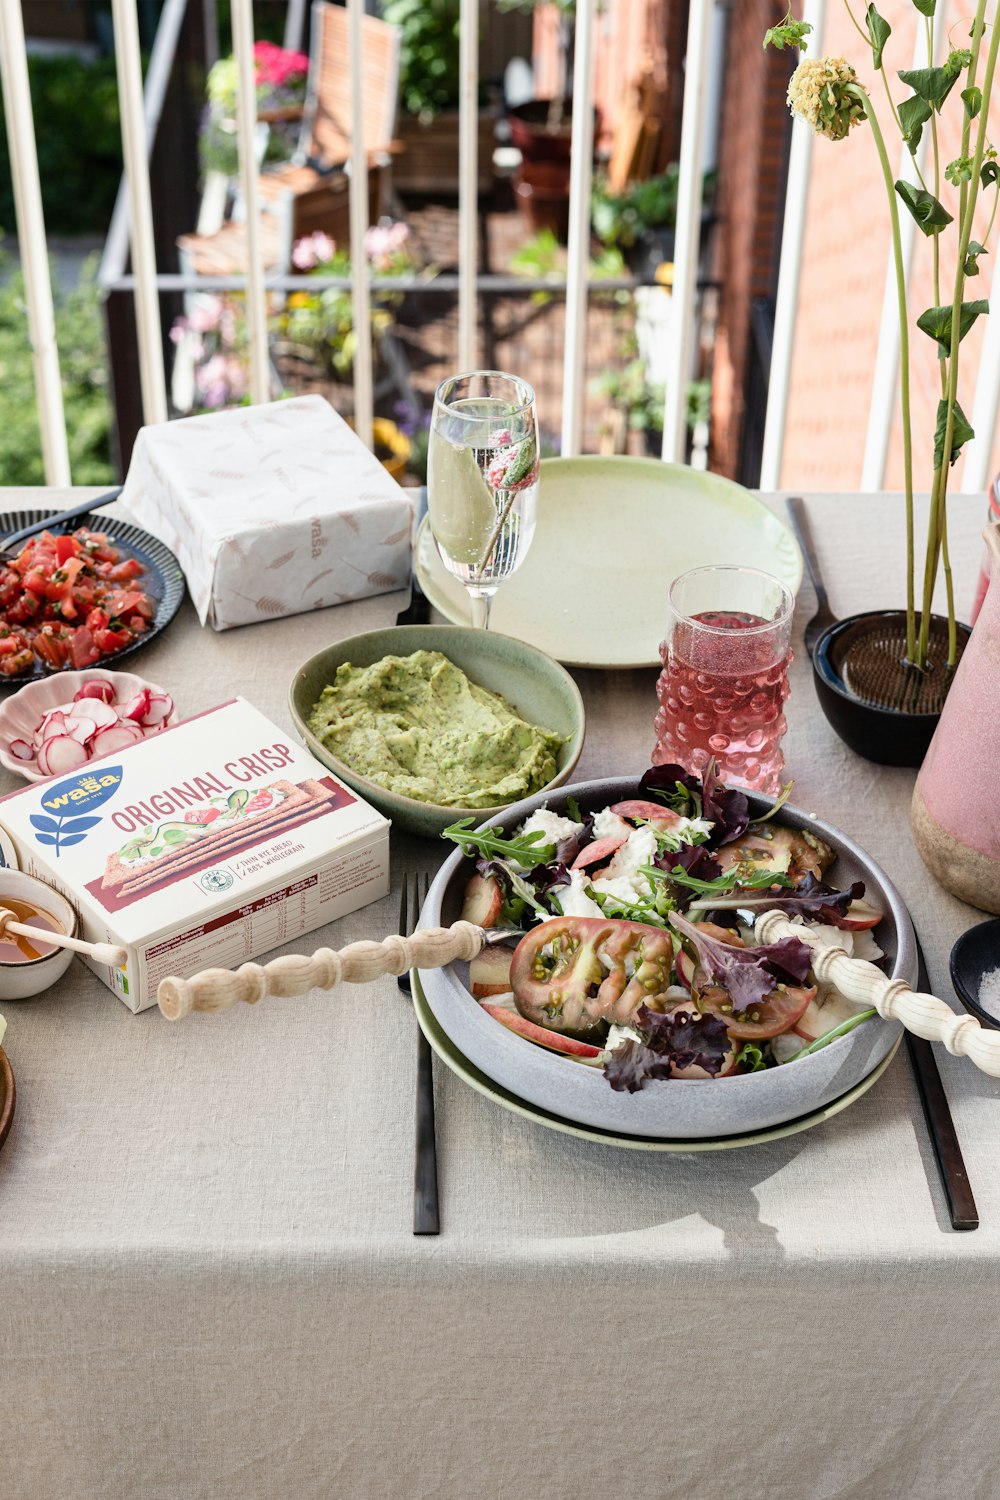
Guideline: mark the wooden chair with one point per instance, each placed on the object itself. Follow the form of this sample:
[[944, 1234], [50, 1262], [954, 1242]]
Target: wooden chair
[[310, 193]]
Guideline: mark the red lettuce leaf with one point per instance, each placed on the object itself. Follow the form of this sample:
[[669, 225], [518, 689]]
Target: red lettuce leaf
[[747, 974], [810, 898], [683, 1040], [726, 807]]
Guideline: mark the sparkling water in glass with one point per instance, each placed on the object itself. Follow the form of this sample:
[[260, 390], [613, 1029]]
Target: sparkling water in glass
[[482, 480], [725, 675]]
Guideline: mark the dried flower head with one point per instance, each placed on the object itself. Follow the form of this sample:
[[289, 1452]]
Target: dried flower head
[[825, 92]]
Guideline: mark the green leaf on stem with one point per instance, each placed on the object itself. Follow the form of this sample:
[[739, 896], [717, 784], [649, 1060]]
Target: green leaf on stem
[[925, 7], [879, 32], [960, 434], [973, 101], [959, 170], [913, 116], [990, 173], [971, 267], [936, 322], [790, 33], [935, 84], [931, 215]]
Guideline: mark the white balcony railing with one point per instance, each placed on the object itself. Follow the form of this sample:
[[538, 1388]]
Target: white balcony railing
[[704, 37]]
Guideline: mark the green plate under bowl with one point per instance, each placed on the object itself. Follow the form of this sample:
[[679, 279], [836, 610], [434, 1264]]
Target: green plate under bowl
[[459, 1063], [7, 1095], [612, 535], [537, 687]]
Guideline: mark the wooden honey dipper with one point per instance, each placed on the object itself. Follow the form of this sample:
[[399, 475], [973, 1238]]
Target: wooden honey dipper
[[102, 953]]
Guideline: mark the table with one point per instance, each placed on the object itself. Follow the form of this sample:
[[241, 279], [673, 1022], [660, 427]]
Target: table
[[208, 1283]]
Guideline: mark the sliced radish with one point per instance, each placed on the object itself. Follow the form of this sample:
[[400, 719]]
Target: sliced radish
[[63, 754], [107, 741], [99, 688], [54, 722], [81, 729], [101, 714], [138, 707], [161, 706], [21, 750]]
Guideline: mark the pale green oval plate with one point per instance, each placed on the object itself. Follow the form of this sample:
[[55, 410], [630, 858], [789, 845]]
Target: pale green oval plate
[[612, 534], [460, 1064]]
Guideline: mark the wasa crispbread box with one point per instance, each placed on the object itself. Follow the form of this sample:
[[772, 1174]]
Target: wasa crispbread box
[[201, 847]]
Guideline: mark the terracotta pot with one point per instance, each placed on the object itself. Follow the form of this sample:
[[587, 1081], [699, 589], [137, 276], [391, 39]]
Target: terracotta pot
[[541, 184], [893, 734], [955, 800]]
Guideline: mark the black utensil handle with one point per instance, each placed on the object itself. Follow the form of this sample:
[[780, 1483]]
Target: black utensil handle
[[800, 525], [64, 515], [418, 611], [426, 1210], [962, 1208]]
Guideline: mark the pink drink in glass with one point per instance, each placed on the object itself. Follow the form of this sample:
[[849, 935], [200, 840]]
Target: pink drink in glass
[[725, 675]]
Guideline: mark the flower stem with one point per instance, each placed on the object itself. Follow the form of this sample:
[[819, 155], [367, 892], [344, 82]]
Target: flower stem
[[904, 359]]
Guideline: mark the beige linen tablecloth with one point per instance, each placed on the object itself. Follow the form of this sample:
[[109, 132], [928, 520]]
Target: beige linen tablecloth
[[208, 1283]]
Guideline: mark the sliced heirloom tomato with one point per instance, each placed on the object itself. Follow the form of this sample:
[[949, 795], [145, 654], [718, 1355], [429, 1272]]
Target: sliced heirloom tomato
[[767, 1018], [578, 974]]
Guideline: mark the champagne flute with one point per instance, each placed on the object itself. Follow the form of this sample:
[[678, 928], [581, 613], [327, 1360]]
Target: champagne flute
[[482, 480]]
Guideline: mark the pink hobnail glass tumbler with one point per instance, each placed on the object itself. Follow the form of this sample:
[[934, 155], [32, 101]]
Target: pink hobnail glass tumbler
[[725, 675]]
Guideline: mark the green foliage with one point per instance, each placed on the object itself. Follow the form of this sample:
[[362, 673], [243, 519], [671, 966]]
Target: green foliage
[[961, 432], [429, 71], [83, 361], [879, 32], [790, 33], [933, 85], [622, 218], [644, 400], [929, 214], [936, 322], [77, 133]]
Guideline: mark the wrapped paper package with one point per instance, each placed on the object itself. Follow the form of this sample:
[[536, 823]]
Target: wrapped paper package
[[271, 510]]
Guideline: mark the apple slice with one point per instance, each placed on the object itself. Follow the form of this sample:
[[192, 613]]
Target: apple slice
[[860, 915], [811, 1024], [648, 812], [483, 901], [596, 853], [569, 1046], [489, 972]]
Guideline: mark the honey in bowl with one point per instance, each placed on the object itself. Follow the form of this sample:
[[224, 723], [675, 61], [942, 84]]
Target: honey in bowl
[[16, 949]]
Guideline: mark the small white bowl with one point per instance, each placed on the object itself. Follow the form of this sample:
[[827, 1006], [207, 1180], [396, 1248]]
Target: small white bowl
[[24, 710], [19, 980]]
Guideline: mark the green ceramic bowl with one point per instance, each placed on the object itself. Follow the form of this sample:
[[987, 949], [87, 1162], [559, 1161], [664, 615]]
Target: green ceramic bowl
[[539, 689]]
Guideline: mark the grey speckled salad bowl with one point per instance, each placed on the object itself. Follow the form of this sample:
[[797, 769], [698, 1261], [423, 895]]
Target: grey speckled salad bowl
[[677, 1109]]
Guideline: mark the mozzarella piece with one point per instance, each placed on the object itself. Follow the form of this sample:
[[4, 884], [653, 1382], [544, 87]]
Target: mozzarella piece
[[622, 888], [638, 851], [550, 825], [617, 1035], [573, 899], [692, 830], [608, 825], [865, 946]]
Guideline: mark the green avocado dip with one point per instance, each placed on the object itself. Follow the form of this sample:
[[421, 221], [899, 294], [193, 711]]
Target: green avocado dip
[[417, 726]]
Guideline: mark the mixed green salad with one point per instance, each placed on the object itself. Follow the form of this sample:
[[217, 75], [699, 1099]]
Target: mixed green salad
[[632, 932]]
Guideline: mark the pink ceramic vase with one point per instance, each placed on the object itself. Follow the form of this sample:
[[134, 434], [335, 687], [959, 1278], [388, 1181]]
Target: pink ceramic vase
[[956, 801]]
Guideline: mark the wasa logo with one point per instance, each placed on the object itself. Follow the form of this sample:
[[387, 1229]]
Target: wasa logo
[[68, 805]]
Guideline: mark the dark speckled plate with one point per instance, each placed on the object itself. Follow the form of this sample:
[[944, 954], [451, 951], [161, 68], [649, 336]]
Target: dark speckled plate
[[163, 580]]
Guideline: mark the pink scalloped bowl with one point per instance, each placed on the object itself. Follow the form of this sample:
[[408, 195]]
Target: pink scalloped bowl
[[22, 712]]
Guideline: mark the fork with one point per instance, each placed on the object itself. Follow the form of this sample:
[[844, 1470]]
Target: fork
[[426, 1213]]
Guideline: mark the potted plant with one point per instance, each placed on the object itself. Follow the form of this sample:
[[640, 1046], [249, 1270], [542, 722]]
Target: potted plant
[[281, 91], [542, 131], [882, 677], [640, 221], [637, 405], [427, 127]]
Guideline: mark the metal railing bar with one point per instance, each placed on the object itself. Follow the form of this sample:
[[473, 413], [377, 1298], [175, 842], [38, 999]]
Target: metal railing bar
[[446, 282], [246, 129], [688, 236], [32, 244], [468, 181], [789, 270], [578, 257], [364, 401], [161, 61]]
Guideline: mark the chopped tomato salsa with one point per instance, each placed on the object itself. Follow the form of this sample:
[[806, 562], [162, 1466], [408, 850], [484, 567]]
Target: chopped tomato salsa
[[69, 601]]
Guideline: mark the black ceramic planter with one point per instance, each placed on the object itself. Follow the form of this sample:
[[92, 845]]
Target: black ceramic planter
[[890, 736]]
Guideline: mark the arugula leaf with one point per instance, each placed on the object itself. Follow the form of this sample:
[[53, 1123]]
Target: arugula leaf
[[573, 809], [930, 215], [683, 1039], [810, 898], [879, 32], [721, 884], [961, 432], [631, 911], [747, 975], [527, 849], [936, 321]]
